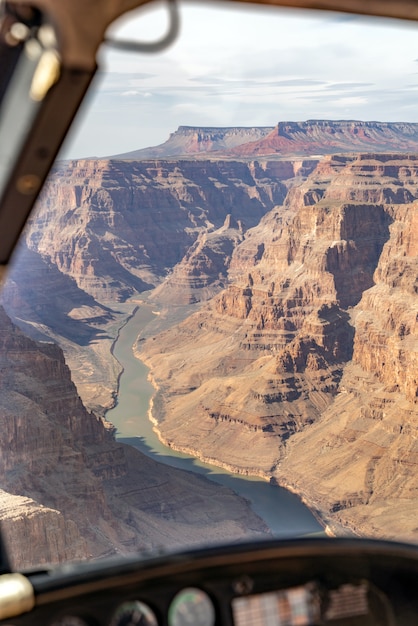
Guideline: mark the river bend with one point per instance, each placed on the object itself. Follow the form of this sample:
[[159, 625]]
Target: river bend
[[282, 511]]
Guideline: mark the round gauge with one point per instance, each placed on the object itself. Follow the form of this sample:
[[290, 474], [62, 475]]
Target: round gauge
[[191, 607], [134, 613]]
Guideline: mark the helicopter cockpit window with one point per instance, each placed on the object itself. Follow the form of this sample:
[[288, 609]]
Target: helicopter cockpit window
[[208, 330]]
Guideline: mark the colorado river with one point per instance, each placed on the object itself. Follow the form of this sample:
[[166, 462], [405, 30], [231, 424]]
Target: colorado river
[[282, 511]]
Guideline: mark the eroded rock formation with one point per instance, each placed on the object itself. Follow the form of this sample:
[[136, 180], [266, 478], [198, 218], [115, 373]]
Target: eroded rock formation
[[70, 491], [116, 227], [327, 137], [304, 368], [203, 270], [286, 139], [107, 230], [195, 140]]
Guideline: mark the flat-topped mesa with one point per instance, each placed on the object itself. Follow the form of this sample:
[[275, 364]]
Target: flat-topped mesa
[[345, 126], [287, 138], [329, 136], [223, 131], [116, 226], [192, 140]]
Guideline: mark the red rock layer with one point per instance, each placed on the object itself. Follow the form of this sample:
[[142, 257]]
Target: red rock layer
[[195, 140], [286, 139], [327, 137]]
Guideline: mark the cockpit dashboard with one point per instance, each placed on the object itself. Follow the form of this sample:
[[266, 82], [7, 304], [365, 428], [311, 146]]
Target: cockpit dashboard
[[278, 583]]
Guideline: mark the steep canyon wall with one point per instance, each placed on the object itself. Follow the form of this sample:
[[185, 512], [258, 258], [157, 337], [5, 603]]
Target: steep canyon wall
[[300, 365], [303, 369], [70, 491]]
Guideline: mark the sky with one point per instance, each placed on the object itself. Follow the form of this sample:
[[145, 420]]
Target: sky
[[242, 66]]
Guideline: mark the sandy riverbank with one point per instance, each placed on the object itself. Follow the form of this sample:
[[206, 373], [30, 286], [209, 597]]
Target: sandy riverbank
[[330, 528]]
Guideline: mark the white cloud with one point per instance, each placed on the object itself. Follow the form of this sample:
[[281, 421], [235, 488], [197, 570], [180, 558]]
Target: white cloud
[[242, 66]]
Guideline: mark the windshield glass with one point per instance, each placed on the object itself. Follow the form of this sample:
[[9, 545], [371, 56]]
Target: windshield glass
[[208, 332]]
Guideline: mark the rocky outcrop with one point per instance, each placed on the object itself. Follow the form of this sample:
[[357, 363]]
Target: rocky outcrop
[[26, 524], [304, 368], [194, 140], [70, 491], [365, 443], [44, 437], [328, 136], [203, 270]]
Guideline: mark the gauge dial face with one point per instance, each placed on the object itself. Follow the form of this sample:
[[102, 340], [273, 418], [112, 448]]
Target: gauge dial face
[[191, 607], [134, 614]]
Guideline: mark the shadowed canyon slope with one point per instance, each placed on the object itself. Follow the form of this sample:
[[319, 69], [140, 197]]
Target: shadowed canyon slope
[[285, 139], [304, 368], [116, 227], [69, 491], [105, 231]]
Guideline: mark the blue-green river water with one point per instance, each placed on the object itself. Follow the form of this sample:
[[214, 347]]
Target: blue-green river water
[[282, 511]]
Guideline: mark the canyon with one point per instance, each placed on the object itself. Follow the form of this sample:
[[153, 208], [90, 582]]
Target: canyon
[[105, 231], [70, 491], [303, 369], [285, 345]]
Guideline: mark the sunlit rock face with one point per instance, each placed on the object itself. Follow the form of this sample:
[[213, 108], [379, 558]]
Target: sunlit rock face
[[301, 365], [44, 437], [303, 369]]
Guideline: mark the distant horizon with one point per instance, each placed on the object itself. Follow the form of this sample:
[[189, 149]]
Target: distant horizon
[[63, 157]]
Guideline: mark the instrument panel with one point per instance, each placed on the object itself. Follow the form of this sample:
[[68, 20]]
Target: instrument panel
[[292, 583]]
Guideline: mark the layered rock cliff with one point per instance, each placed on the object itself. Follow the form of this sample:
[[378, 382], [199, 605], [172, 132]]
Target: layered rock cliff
[[203, 270], [303, 369], [194, 140], [49, 306], [107, 230], [116, 227], [327, 137], [286, 139], [364, 447], [70, 491], [44, 437]]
